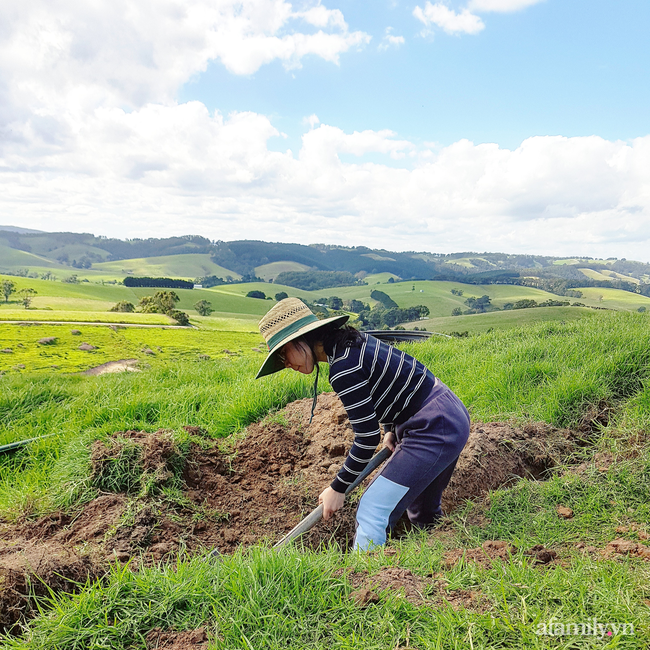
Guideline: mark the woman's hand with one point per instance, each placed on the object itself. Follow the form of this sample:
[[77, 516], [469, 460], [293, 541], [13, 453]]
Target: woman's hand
[[331, 500], [389, 440]]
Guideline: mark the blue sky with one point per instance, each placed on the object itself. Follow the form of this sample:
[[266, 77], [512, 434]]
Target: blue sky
[[556, 68], [490, 125]]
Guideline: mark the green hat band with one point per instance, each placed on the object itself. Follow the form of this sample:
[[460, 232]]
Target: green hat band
[[290, 329]]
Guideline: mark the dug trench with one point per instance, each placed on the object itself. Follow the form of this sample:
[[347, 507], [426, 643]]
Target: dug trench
[[157, 499]]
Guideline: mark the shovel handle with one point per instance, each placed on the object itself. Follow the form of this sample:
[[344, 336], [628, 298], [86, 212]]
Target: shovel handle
[[316, 515]]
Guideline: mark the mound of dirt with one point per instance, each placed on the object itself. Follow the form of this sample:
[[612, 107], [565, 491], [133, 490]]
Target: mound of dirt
[[54, 553], [239, 492], [498, 453]]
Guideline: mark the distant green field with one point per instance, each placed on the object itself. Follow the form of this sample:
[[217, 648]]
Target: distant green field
[[270, 271], [92, 297], [594, 275], [164, 345], [608, 275], [91, 300], [12, 259], [44, 315], [502, 320], [613, 298], [187, 267], [380, 278], [621, 276]]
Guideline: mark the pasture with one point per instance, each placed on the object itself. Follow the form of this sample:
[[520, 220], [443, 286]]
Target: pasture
[[442, 589], [22, 352]]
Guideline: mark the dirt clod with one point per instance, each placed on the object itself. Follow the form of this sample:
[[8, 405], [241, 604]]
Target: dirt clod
[[47, 340], [364, 597], [483, 555], [542, 555], [87, 347], [169, 640], [622, 546], [564, 513]]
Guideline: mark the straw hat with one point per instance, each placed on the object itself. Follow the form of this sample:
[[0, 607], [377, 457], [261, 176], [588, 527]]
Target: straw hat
[[287, 320]]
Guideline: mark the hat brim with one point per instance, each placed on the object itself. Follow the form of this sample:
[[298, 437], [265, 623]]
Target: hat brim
[[273, 364]]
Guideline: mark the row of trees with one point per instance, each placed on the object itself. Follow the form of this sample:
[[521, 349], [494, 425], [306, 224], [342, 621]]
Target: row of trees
[[166, 283], [162, 302], [483, 304], [208, 281]]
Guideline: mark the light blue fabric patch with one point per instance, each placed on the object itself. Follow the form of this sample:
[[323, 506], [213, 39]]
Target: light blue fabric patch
[[375, 507]]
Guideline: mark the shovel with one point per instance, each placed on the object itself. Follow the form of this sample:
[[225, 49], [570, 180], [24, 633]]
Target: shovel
[[316, 515]]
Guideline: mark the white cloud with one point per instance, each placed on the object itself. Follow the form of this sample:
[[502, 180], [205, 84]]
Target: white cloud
[[502, 6], [91, 139], [451, 22], [311, 121], [162, 170], [390, 40], [130, 52]]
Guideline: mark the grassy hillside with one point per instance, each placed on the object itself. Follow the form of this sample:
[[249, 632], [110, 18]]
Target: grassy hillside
[[501, 320], [78, 299], [12, 259], [563, 374], [613, 298], [187, 267], [270, 271]]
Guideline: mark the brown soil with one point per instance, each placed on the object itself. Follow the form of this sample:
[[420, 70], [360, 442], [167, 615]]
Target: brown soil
[[168, 640], [496, 550], [252, 489]]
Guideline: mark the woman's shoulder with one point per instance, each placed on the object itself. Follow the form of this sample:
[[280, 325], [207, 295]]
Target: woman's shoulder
[[349, 354]]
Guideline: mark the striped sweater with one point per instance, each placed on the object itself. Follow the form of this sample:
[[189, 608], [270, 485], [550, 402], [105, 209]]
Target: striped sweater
[[376, 383]]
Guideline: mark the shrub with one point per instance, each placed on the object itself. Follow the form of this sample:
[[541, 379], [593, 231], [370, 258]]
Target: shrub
[[26, 295], [256, 294], [180, 317], [383, 298], [526, 303], [281, 295], [203, 307], [123, 306]]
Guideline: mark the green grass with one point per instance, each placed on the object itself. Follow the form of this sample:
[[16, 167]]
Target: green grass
[[10, 259], [187, 266], [612, 298], [548, 372], [578, 260], [165, 345], [502, 320], [87, 301], [88, 297], [270, 271], [300, 598], [290, 600], [74, 316]]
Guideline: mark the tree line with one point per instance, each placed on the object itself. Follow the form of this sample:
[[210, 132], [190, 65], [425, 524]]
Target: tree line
[[167, 283]]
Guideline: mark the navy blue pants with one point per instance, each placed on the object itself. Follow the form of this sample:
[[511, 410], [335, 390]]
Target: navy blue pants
[[413, 479]]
